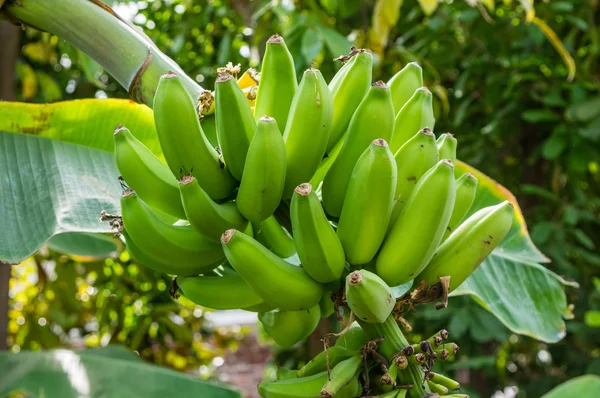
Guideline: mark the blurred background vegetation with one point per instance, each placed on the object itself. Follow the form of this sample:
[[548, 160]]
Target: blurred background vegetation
[[503, 85]]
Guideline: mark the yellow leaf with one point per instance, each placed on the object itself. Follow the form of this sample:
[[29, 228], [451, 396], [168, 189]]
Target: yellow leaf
[[529, 10], [428, 6], [385, 15], [488, 3], [29, 82], [567, 59]]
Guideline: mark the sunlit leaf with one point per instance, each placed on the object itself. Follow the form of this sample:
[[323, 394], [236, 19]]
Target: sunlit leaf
[[428, 6], [385, 16], [581, 387], [88, 122]]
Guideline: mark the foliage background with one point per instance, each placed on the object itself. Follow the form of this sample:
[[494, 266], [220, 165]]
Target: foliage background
[[501, 88]]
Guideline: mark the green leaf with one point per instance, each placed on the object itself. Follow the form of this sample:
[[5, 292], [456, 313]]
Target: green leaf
[[88, 246], [51, 187], [336, 43], [526, 297], [581, 387], [553, 147], [539, 115], [66, 374], [312, 43], [584, 111], [88, 122]]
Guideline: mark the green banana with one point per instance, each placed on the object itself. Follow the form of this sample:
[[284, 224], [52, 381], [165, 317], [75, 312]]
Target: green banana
[[374, 118], [418, 231], [416, 114], [352, 389], [353, 339], [466, 189], [275, 238], [444, 381], [469, 245], [235, 123], [404, 83], [447, 147], [397, 393], [413, 159], [300, 387], [210, 219], [318, 364], [166, 243], [436, 388], [144, 259], [277, 82], [226, 292], [276, 281], [261, 187], [319, 249], [290, 327], [348, 87], [148, 176], [307, 129], [262, 307], [183, 142], [285, 373], [342, 374], [368, 203], [369, 297]]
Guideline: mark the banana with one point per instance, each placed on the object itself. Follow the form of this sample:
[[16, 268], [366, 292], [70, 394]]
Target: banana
[[374, 118], [368, 203], [342, 374], [348, 87], [262, 307], [447, 147], [144, 259], [397, 393], [183, 142], [353, 339], [249, 79], [275, 238], [444, 381], [436, 388], [469, 245], [210, 219], [404, 83], [276, 281], [148, 176], [352, 389], [235, 123], [277, 82], [264, 173], [466, 189], [368, 296], [318, 364], [307, 129], [250, 94], [285, 373], [416, 114], [226, 292], [180, 245], [300, 387], [290, 327], [418, 231], [319, 249], [413, 159]]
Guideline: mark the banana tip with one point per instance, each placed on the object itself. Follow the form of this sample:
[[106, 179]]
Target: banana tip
[[187, 179], [447, 162], [426, 131], [425, 90], [227, 235], [223, 77], [379, 84], [380, 142], [119, 128], [415, 64], [325, 394], [303, 189], [169, 75], [275, 39], [266, 118], [355, 278], [128, 192]]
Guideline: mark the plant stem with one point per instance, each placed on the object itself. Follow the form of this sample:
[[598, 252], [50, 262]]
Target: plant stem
[[393, 342], [91, 26]]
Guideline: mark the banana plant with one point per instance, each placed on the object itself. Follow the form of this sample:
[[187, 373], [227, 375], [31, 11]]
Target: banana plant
[[60, 175]]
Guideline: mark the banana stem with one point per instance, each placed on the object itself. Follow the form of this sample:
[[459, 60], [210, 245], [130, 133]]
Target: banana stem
[[94, 28], [394, 341]]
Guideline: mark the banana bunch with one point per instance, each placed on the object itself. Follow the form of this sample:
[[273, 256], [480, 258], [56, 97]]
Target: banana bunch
[[319, 196]]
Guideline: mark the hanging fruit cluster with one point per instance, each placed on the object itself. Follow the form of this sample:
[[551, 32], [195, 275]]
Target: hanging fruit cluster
[[317, 200]]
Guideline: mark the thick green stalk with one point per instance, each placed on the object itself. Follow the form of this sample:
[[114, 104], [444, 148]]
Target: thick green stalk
[[123, 50], [393, 342]]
